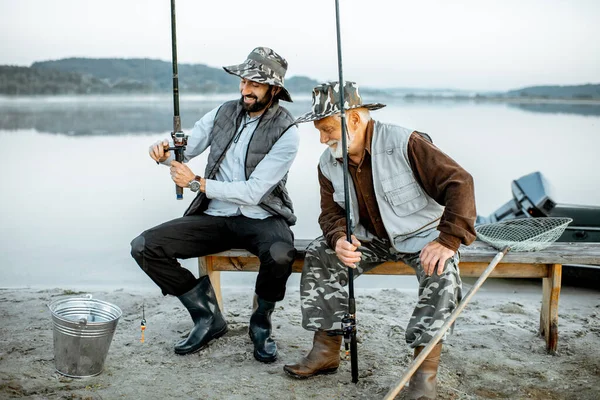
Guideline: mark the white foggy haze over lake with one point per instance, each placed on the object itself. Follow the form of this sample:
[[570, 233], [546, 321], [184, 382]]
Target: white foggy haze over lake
[[78, 184], [467, 44]]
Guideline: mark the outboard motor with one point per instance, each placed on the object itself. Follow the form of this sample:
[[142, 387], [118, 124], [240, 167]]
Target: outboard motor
[[531, 198]]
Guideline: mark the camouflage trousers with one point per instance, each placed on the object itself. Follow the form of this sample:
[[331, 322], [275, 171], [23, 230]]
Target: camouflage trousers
[[324, 299]]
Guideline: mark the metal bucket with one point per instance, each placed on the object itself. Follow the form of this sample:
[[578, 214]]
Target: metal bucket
[[83, 331]]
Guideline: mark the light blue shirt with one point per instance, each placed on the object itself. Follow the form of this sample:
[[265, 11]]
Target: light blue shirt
[[230, 193]]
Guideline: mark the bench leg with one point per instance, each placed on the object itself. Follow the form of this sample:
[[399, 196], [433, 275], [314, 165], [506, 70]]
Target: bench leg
[[205, 267], [549, 315]]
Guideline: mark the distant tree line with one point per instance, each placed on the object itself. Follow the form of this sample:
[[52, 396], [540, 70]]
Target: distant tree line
[[143, 75], [103, 76], [576, 92], [29, 81]]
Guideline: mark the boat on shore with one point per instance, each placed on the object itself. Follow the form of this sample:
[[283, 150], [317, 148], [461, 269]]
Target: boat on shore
[[532, 198]]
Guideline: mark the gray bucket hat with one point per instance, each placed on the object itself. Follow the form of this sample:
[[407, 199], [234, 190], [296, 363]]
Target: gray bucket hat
[[263, 65], [326, 101]]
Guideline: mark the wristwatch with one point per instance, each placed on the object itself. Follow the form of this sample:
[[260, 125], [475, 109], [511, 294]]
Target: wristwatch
[[194, 184]]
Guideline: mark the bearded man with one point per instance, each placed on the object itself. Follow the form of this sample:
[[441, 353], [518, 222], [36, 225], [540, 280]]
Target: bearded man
[[242, 202], [409, 202]]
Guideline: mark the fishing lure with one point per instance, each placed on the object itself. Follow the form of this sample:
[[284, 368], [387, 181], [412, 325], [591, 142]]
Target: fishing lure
[[143, 324]]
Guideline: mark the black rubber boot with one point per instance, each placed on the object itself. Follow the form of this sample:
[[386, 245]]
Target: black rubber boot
[[209, 323], [265, 348]]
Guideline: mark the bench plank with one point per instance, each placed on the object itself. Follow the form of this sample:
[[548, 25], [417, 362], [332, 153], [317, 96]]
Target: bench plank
[[545, 264], [556, 253], [467, 269]]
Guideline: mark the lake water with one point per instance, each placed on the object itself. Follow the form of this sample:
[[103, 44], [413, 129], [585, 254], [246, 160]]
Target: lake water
[[78, 185]]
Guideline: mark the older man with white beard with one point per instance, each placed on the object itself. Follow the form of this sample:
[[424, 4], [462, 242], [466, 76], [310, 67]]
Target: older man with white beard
[[409, 202]]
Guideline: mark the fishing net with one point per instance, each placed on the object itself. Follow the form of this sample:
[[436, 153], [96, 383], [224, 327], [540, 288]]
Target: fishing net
[[526, 234]]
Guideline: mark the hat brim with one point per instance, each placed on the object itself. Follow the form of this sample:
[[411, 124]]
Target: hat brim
[[311, 116], [247, 71]]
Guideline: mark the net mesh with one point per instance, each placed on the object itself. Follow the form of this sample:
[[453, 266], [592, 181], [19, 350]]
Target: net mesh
[[527, 234]]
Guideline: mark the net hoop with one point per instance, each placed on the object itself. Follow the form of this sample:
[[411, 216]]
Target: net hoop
[[524, 234]]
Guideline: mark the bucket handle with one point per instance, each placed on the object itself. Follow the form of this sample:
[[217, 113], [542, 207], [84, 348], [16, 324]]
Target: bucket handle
[[87, 296]]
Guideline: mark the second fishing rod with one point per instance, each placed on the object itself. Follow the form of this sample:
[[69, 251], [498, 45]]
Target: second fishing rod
[[349, 320]]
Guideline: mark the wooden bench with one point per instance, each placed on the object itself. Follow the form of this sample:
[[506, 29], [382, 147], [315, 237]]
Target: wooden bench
[[545, 264]]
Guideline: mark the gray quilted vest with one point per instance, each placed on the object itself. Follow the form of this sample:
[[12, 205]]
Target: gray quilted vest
[[273, 123], [409, 215]]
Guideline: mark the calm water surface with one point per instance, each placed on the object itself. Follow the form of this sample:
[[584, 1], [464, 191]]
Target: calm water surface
[[78, 185]]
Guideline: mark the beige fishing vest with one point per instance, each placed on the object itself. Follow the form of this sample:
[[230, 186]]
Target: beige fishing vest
[[409, 215]]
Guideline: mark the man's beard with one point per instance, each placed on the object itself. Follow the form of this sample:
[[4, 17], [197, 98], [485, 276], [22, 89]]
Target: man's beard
[[258, 105], [338, 151]]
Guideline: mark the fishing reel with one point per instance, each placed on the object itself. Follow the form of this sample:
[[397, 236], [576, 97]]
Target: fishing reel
[[348, 327], [179, 143]]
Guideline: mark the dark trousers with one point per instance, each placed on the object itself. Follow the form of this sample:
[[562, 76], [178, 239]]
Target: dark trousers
[[157, 250]]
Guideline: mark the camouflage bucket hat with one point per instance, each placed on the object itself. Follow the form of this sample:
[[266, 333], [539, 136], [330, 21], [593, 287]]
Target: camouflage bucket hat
[[263, 65], [326, 101]]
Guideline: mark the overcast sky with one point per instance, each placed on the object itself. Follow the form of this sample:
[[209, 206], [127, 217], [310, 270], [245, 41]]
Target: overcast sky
[[461, 44]]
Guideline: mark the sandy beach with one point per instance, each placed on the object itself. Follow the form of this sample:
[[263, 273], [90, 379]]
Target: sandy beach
[[495, 352]]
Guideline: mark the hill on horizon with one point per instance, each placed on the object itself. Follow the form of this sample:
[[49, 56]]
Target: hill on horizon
[[581, 92], [143, 75], [117, 75]]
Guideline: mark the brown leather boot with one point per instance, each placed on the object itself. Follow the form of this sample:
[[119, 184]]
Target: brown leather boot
[[323, 358], [423, 383]]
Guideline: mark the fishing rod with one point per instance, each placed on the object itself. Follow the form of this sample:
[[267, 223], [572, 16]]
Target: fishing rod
[[179, 138], [349, 320]]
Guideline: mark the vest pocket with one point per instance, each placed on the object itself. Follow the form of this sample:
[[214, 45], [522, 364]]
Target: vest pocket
[[403, 193]]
